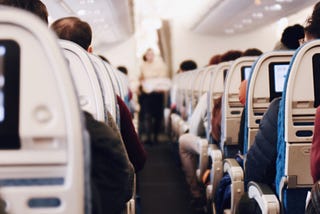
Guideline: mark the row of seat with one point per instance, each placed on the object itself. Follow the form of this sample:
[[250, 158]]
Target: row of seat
[[296, 118], [45, 155]]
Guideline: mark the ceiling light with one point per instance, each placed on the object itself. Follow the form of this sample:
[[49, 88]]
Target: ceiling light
[[257, 15], [247, 21], [239, 26], [275, 7], [257, 2], [229, 31], [81, 12], [281, 1]]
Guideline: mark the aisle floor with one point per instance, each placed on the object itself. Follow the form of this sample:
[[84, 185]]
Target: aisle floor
[[162, 186]]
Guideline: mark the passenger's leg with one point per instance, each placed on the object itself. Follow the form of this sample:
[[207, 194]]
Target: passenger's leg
[[189, 152]]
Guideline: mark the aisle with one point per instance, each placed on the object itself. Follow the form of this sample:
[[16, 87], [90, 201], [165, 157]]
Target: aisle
[[162, 186]]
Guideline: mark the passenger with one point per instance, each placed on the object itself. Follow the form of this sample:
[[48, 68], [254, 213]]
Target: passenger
[[188, 148], [104, 59], [214, 60], [73, 29], [187, 65], [123, 69], [252, 52], [111, 170], [291, 38], [312, 30], [152, 102]]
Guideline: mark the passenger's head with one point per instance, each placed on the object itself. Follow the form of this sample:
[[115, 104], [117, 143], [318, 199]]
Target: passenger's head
[[123, 69], [104, 59], [312, 28], [34, 6], [252, 52], [148, 56], [243, 92], [215, 59], [291, 36], [231, 55], [188, 65], [75, 30]]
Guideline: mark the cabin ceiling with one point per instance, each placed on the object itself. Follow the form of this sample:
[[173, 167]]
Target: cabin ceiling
[[111, 20], [241, 16]]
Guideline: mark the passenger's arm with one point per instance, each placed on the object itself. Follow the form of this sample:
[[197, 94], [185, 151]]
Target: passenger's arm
[[135, 150]]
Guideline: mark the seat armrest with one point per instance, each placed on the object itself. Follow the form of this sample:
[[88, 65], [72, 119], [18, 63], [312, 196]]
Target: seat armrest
[[265, 197], [216, 170], [183, 127], [235, 172]]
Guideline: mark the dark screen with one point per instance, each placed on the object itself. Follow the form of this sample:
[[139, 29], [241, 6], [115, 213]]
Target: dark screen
[[316, 79], [9, 94], [277, 75]]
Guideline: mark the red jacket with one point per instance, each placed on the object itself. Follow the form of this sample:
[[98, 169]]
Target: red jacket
[[315, 149], [135, 149]]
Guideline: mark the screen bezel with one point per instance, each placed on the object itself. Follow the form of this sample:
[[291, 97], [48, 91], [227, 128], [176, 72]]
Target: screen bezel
[[9, 127], [272, 85]]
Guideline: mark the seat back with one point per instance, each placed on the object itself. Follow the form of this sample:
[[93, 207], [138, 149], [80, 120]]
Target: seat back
[[85, 78], [206, 82], [295, 127], [260, 90], [232, 108], [197, 87], [42, 131], [115, 80], [107, 89], [216, 89]]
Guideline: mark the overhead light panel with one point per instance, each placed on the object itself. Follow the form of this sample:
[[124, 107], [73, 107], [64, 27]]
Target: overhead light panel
[[229, 31], [247, 21], [275, 7], [257, 15]]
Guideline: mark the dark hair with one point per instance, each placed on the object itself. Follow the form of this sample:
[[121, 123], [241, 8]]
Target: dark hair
[[73, 29], [231, 55], [104, 59], [252, 52], [291, 35], [216, 59], [123, 69], [34, 6], [188, 65], [313, 22]]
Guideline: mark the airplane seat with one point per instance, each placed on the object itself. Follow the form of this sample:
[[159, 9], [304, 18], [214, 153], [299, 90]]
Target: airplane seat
[[231, 107], [295, 128], [260, 92], [197, 84], [85, 78], [44, 144], [214, 152], [205, 85], [107, 88]]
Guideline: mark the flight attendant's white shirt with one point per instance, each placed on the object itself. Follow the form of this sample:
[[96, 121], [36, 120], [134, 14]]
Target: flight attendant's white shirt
[[153, 70]]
